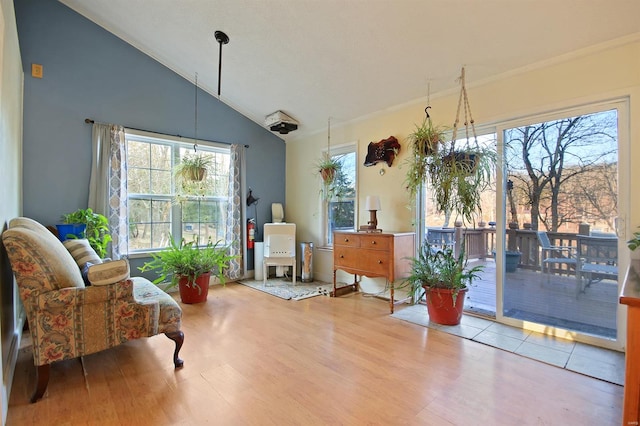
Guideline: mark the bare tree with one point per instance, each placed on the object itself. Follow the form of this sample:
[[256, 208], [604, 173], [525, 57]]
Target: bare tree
[[543, 157]]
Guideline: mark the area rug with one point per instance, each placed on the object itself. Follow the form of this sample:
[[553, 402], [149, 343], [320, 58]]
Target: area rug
[[286, 290]]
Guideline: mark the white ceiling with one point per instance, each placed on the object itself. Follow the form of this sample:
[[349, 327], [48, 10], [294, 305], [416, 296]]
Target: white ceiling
[[344, 59]]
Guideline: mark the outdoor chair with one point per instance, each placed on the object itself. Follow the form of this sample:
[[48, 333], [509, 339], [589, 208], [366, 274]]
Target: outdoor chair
[[554, 255], [597, 260], [441, 238]]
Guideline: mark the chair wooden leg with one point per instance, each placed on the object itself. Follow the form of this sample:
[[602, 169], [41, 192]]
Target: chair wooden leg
[[42, 380], [178, 337]]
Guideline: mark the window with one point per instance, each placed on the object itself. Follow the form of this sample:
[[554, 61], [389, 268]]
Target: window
[[161, 206], [341, 208]]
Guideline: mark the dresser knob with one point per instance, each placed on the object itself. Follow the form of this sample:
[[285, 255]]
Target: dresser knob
[[373, 242], [379, 262], [342, 256], [346, 240]]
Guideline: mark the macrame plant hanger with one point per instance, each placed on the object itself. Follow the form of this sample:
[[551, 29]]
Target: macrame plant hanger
[[468, 118]]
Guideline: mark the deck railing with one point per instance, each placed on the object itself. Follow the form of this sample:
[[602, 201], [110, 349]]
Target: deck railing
[[480, 243]]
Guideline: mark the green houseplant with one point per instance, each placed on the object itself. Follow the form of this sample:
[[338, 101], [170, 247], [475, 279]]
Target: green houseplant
[[85, 223], [193, 167], [328, 167], [458, 176], [634, 242], [190, 267], [190, 174], [424, 144], [444, 278]]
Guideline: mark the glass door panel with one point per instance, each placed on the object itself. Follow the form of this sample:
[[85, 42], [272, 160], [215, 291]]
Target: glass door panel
[[561, 231]]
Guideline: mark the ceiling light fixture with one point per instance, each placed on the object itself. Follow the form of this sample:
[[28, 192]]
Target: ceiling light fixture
[[222, 38]]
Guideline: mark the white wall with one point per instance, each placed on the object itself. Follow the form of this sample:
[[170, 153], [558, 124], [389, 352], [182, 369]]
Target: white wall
[[600, 73], [11, 82]]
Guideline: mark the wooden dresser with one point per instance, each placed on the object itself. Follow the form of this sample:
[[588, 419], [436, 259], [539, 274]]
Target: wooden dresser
[[385, 254]]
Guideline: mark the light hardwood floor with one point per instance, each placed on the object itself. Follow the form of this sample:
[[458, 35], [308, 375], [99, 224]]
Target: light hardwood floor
[[254, 359]]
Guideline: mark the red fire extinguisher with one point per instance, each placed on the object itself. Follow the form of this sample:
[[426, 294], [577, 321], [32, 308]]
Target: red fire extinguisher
[[251, 233]]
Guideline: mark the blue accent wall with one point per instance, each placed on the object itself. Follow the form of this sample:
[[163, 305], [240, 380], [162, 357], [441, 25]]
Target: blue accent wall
[[90, 73]]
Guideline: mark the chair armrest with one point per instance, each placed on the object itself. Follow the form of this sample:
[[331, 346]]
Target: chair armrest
[[568, 249], [72, 296]]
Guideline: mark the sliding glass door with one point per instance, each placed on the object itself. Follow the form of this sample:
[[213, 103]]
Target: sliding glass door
[[562, 227]]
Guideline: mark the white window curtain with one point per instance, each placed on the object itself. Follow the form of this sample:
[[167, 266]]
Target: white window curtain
[[234, 215], [108, 184]]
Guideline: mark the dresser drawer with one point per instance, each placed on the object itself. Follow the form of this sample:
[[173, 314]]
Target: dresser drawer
[[375, 242], [375, 262], [345, 257], [347, 240]]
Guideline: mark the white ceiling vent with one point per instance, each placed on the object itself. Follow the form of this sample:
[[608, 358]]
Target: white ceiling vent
[[280, 122]]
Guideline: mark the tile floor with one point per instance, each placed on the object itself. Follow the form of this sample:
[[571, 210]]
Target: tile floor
[[589, 360]]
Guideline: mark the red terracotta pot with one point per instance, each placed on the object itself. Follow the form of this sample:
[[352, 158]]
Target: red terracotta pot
[[327, 174], [194, 293], [440, 305]]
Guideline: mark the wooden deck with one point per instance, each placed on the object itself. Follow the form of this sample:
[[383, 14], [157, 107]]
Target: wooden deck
[[549, 299]]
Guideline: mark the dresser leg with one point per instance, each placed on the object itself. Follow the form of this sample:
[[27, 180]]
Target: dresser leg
[[391, 298], [334, 294]]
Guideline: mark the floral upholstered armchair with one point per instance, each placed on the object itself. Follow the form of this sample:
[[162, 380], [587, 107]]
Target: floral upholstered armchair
[[68, 319]]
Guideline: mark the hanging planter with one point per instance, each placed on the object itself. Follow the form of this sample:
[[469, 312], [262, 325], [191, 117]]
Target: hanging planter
[[425, 143], [328, 167], [460, 173], [463, 161], [193, 167]]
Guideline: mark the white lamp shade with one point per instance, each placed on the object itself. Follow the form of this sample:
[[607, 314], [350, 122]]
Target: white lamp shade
[[372, 202]]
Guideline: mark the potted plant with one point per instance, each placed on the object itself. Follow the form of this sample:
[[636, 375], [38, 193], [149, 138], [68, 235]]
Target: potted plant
[[190, 174], [193, 167], [327, 167], [424, 144], [85, 223], [445, 278], [190, 267], [458, 177]]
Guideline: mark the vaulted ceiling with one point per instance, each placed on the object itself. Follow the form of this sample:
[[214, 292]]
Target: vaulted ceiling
[[345, 59]]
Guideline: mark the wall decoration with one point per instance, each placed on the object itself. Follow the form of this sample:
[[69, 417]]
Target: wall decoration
[[385, 150]]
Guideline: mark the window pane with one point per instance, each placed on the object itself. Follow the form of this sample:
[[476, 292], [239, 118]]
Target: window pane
[[161, 211], [160, 235], [139, 211], [160, 182], [152, 187], [138, 154], [139, 236], [204, 219], [341, 209], [161, 157], [341, 215], [139, 181]]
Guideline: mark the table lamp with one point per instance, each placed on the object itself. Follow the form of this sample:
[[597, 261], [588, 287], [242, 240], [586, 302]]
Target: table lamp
[[372, 203]]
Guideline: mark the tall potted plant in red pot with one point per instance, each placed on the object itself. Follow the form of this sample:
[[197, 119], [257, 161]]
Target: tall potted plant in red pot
[[190, 267], [444, 278]]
